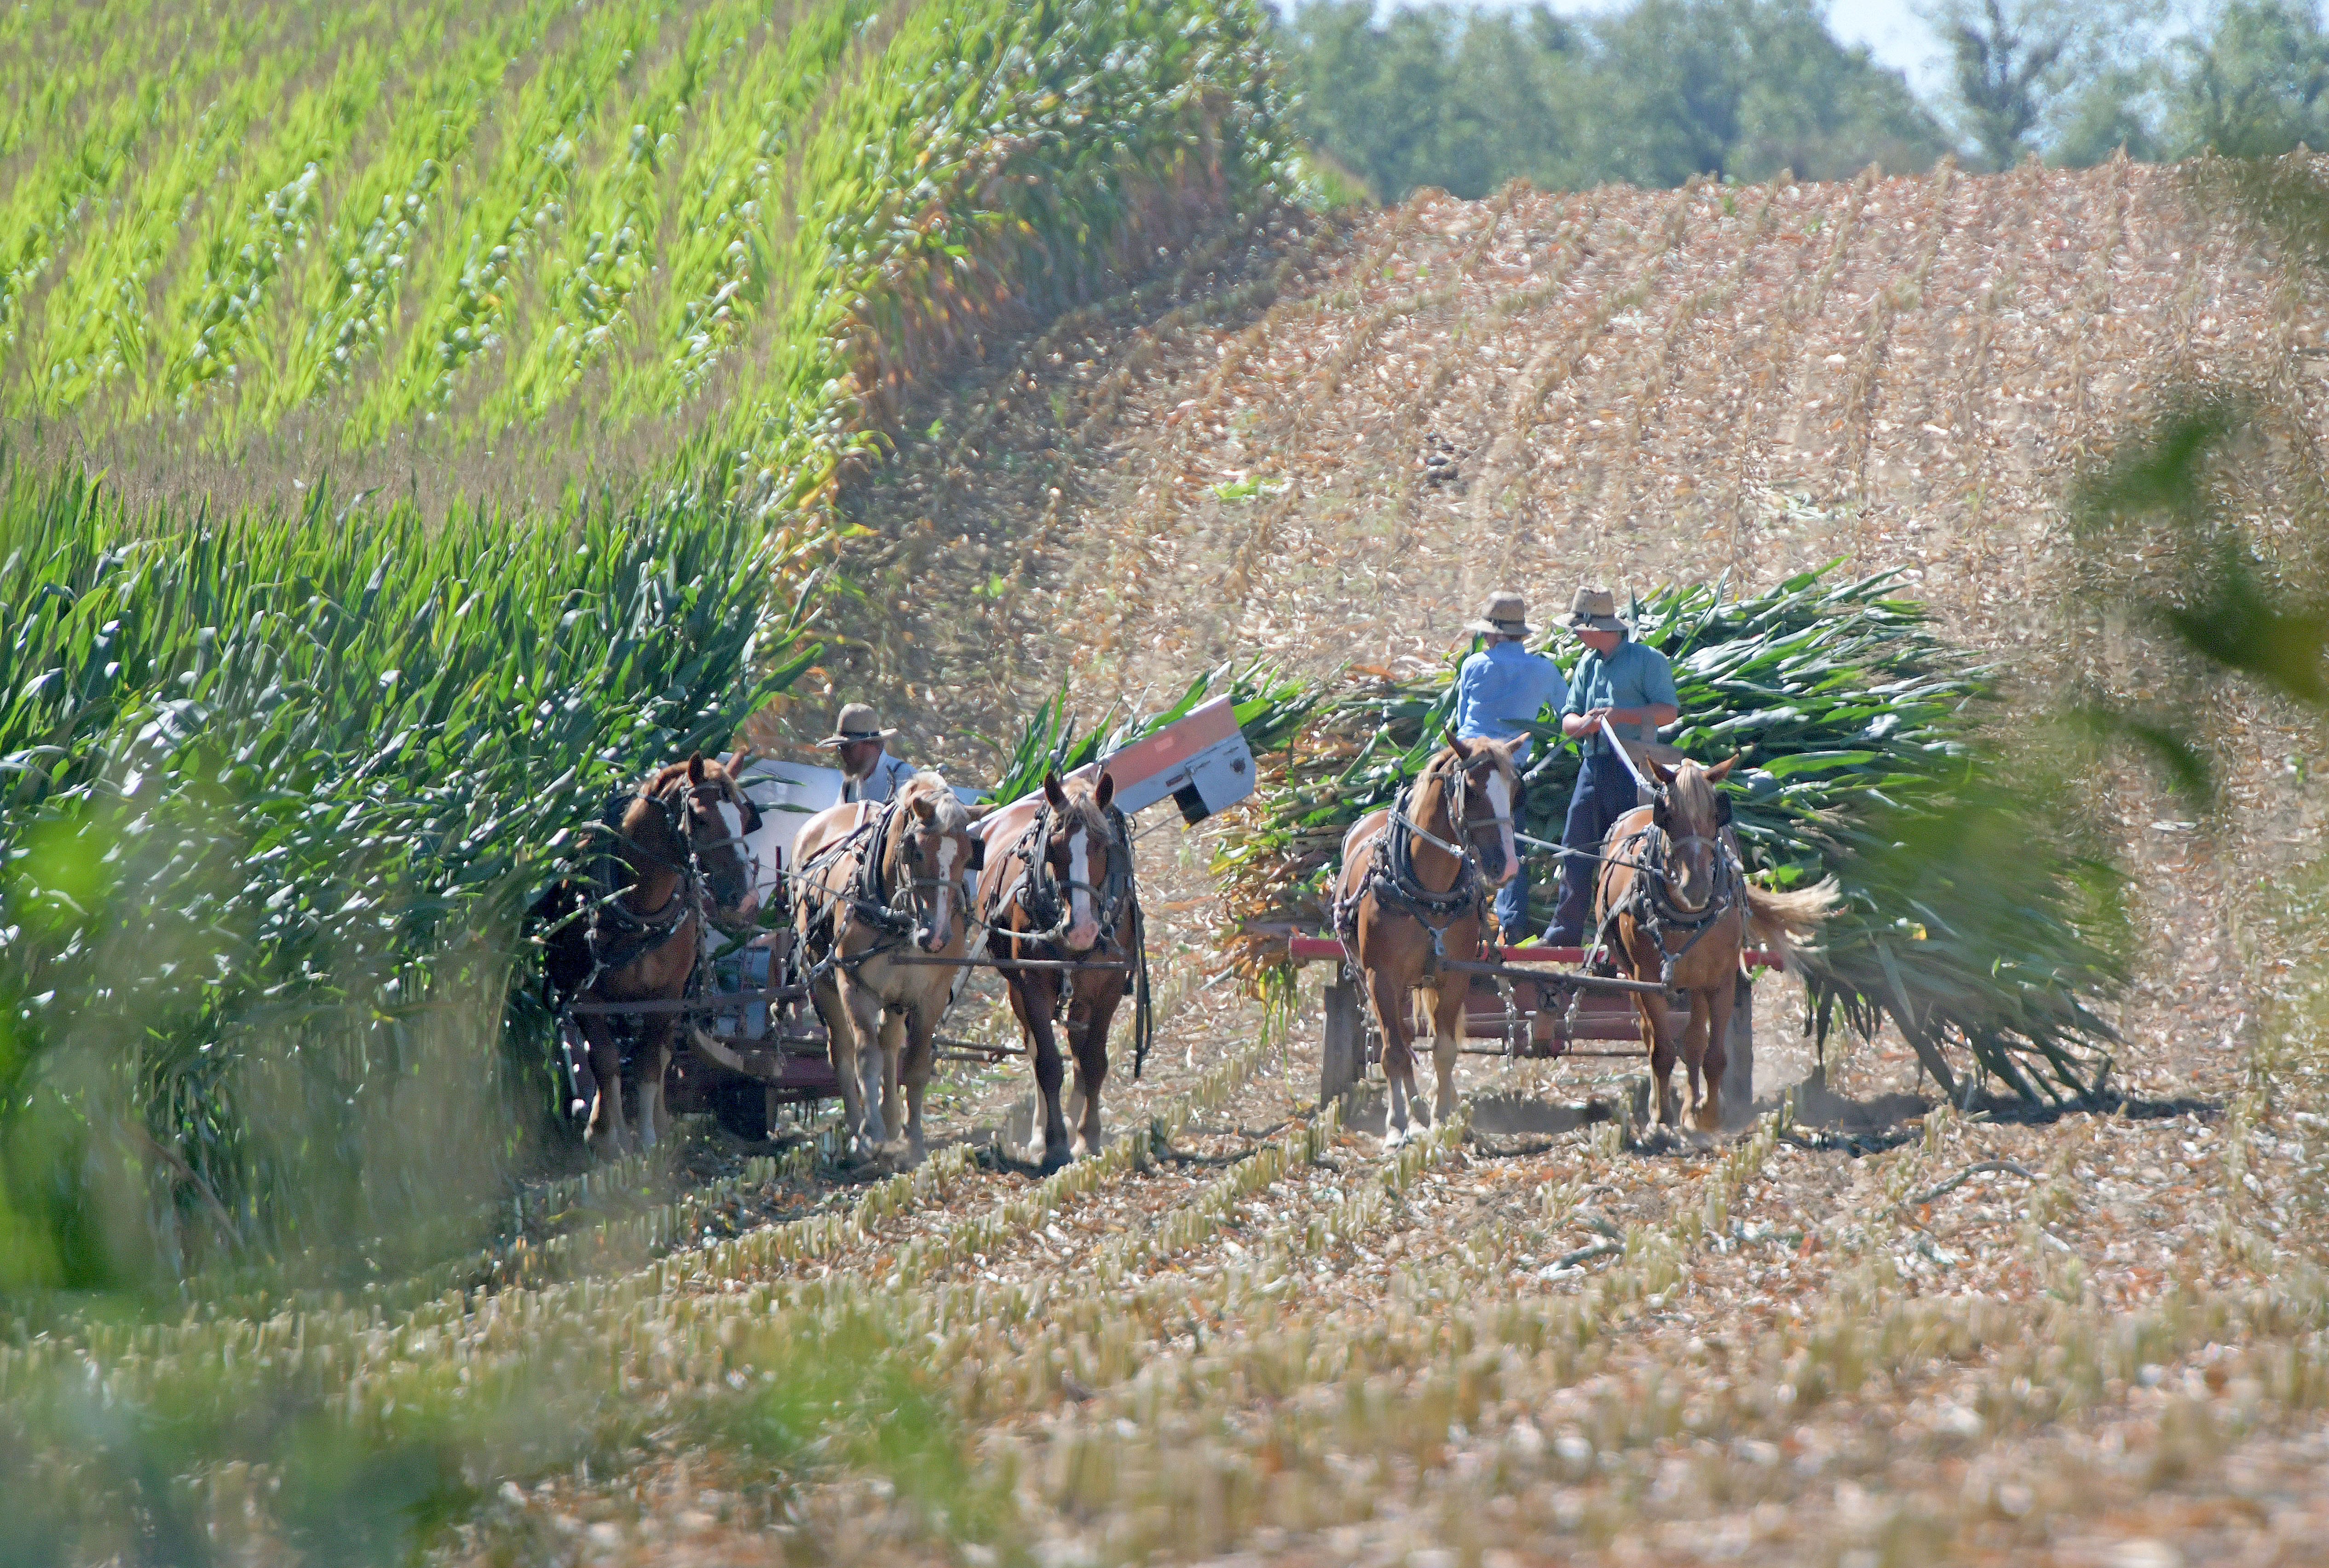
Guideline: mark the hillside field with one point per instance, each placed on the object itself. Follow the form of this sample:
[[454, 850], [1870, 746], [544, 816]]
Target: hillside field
[[1873, 1330]]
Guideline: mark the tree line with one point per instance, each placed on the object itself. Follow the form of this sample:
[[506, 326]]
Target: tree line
[[1466, 98]]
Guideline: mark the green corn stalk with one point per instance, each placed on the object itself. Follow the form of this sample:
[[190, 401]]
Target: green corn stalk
[[275, 792], [1971, 916]]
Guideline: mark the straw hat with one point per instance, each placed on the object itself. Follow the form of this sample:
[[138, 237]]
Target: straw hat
[[1507, 616], [857, 722], [1595, 607]]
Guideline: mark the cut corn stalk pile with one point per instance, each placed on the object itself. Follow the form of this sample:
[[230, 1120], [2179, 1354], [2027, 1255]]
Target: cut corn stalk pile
[[1965, 920]]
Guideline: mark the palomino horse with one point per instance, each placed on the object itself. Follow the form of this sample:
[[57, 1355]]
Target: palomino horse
[[1672, 904], [672, 862], [1411, 893], [871, 879], [1057, 890]]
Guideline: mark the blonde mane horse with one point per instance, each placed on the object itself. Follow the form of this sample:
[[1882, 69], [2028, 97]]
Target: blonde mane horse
[[879, 886], [1673, 905], [1411, 893]]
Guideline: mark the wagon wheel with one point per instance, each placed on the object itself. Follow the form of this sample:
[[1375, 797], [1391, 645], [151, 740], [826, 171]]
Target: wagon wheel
[[1739, 1046], [1349, 1039]]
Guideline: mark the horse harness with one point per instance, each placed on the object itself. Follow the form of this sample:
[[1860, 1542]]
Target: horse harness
[[890, 911], [1390, 874], [617, 936], [1650, 901], [1048, 901]]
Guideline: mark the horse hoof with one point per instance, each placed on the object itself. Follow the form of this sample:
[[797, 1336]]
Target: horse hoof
[[1054, 1159]]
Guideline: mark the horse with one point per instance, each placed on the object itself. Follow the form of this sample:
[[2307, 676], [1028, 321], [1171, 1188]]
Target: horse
[[672, 864], [1410, 894], [1058, 887], [871, 880], [1672, 904]]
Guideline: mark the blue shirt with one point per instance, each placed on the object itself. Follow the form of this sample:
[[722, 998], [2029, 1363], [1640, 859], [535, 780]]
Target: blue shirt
[[1503, 686], [1633, 677]]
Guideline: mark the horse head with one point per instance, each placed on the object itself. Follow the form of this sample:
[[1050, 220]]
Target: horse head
[[933, 847], [1080, 853], [1692, 813], [1482, 782], [706, 817]]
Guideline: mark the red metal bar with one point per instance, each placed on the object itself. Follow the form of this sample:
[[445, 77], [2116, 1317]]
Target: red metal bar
[[1310, 950]]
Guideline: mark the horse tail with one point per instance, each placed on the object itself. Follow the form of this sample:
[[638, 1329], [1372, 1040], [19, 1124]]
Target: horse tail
[[1779, 920]]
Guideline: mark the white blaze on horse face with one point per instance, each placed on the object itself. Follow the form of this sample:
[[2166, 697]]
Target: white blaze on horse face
[[731, 822], [1082, 929], [1500, 796], [942, 923]]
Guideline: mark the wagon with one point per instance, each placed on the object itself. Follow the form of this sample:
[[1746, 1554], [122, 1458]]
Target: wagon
[[1532, 1002]]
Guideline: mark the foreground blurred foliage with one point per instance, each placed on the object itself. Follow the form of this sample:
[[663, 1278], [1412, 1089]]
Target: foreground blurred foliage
[[2205, 533], [1976, 911], [278, 790]]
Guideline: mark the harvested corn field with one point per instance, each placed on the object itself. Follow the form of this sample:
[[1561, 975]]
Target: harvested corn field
[[1873, 1328]]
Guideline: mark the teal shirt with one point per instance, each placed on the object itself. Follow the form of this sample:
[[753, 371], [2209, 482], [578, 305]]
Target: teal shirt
[[1632, 677]]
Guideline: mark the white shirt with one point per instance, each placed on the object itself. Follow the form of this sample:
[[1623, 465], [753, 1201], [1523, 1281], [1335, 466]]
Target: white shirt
[[889, 772]]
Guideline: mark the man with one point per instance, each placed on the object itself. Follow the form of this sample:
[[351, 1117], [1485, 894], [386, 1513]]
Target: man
[[1498, 691], [868, 771], [1633, 687]]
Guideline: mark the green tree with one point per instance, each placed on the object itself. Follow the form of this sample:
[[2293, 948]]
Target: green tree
[[2257, 86], [1467, 99]]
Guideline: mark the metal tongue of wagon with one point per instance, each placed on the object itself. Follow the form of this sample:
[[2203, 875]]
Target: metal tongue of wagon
[[751, 1023]]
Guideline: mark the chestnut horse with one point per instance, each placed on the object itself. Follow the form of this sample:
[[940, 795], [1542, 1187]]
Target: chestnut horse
[[1672, 904], [1058, 888], [878, 886], [672, 862], [1410, 893]]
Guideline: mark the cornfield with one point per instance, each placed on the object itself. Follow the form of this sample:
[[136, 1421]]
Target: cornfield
[[367, 241], [280, 777]]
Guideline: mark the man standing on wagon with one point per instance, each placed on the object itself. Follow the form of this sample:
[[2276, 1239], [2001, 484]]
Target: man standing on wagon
[[1498, 690], [868, 771], [1633, 687]]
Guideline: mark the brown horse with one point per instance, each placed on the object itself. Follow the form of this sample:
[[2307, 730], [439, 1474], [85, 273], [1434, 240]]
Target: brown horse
[[672, 862], [1672, 904], [878, 886], [1058, 887], [1411, 893]]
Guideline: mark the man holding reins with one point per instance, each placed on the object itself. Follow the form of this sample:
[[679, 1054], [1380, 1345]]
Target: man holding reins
[[1633, 687], [1498, 691]]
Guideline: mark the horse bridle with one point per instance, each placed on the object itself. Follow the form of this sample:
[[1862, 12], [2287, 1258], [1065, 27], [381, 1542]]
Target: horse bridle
[[1049, 897], [1651, 900], [907, 901]]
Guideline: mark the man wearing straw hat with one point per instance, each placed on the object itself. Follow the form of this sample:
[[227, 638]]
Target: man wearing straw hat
[[1499, 691], [1633, 687], [868, 771]]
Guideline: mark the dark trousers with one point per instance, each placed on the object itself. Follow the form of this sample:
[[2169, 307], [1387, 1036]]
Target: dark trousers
[[1604, 792], [1511, 899]]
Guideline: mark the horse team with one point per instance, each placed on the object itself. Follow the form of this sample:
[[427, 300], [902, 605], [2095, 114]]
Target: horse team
[[886, 898]]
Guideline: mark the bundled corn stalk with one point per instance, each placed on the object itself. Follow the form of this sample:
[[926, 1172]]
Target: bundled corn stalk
[[1967, 917], [1270, 708]]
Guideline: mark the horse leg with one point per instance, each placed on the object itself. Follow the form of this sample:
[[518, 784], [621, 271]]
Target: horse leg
[[606, 1126], [841, 1045], [921, 1030], [863, 1009], [1448, 1040], [894, 1060], [1665, 1109], [1034, 1000], [1090, 1044], [1390, 1002], [1714, 1056], [655, 1066]]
